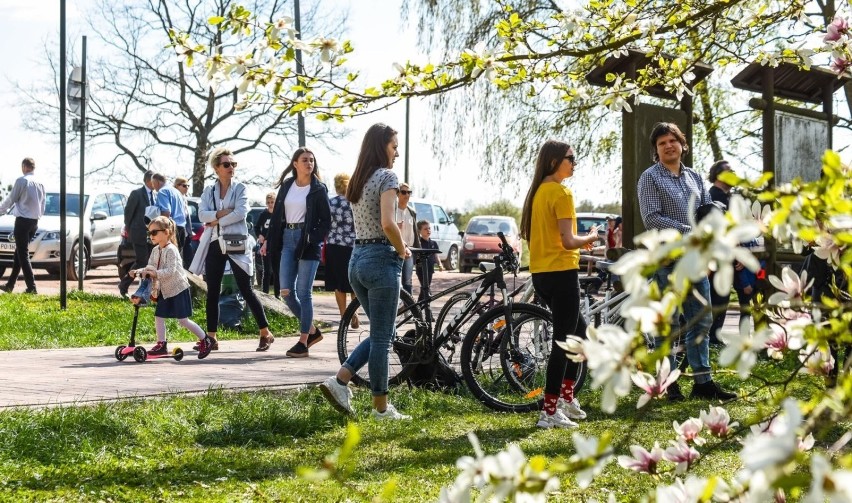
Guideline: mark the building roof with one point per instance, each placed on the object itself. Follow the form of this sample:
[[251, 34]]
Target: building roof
[[623, 64], [791, 82]]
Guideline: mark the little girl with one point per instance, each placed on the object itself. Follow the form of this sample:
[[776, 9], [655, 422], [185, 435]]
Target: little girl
[[173, 301]]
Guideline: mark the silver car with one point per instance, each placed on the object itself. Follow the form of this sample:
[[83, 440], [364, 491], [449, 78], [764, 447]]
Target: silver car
[[103, 218]]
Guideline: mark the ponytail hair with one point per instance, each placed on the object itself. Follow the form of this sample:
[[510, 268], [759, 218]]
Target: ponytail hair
[[168, 225]]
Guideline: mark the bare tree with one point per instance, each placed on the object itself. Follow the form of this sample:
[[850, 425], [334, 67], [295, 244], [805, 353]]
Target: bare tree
[[145, 103]]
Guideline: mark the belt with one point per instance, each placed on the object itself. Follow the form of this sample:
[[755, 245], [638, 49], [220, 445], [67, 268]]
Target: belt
[[373, 241], [300, 225]]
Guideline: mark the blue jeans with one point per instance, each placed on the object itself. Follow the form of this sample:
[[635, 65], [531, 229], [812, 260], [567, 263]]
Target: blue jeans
[[407, 270], [374, 273], [697, 336], [297, 276]]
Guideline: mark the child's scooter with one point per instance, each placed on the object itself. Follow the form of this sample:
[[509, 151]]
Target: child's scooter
[[140, 354]]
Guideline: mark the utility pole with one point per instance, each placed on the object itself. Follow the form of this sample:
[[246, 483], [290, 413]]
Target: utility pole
[[407, 135], [63, 245]]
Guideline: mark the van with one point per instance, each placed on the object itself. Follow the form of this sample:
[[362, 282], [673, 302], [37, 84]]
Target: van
[[444, 230]]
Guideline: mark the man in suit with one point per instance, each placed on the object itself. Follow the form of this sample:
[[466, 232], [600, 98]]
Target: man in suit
[[137, 230]]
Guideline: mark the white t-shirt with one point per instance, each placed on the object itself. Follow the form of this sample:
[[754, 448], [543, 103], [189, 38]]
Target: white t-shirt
[[406, 225], [295, 203]]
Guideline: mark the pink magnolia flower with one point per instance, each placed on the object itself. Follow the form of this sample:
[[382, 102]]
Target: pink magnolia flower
[[717, 421], [791, 287], [836, 29], [783, 337], [689, 431], [682, 454], [642, 460], [655, 386], [817, 360], [841, 65]]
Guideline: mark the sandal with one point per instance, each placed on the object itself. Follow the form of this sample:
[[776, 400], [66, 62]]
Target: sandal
[[265, 342]]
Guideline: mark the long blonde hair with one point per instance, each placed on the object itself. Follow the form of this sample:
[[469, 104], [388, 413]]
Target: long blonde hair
[[166, 225]]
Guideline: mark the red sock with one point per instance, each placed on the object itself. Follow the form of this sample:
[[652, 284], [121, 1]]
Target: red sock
[[550, 403], [567, 390]]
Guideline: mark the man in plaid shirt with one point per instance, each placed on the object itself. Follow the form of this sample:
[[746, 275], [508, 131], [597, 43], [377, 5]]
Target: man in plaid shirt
[[665, 192]]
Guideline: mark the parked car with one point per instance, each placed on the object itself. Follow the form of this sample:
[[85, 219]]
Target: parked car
[[103, 218], [586, 221], [480, 242], [444, 231]]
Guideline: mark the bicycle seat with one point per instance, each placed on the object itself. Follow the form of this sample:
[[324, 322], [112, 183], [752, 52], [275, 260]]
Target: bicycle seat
[[487, 266], [424, 251], [603, 265]]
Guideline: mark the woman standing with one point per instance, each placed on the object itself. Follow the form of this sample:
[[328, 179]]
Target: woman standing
[[338, 246], [300, 221], [374, 270], [261, 227], [223, 209], [549, 224]]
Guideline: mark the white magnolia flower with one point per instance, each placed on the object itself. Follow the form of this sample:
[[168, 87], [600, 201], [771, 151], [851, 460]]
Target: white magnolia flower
[[589, 448], [742, 348], [774, 442], [828, 250], [689, 431], [827, 484], [717, 421], [681, 454], [693, 490], [655, 246], [817, 360], [649, 316], [789, 336], [807, 443], [655, 386], [327, 47], [608, 355], [642, 461], [486, 61], [790, 287]]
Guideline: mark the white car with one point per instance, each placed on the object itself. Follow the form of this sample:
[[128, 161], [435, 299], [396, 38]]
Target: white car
[[585, 221], [103, 218]]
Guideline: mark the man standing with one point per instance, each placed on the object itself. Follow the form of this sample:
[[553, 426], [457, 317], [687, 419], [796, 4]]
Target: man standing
[[137, 230], [405, 218], [665, 192], [27, 196], [171, 203]]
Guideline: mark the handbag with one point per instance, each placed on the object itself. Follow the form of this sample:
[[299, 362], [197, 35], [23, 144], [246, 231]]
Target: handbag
[[235, 243]]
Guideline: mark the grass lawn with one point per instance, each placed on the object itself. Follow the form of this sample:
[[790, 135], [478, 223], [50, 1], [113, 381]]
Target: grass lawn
[[36, 321], [248, 446]]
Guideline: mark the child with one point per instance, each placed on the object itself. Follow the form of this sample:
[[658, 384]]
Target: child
[[425, 277], [173, 301]]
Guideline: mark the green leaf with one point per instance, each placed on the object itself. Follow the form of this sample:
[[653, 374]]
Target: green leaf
[[214, 20]]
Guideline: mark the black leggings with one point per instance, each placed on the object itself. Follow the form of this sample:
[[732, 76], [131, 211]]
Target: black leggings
[[561, 292], [214, 267]]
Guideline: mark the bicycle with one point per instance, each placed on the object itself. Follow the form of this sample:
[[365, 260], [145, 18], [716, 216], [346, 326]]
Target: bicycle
[[502, 333]]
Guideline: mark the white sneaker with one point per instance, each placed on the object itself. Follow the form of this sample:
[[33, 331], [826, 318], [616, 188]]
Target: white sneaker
[[337, 394], [390, 413], [571, 409], [557, 420]]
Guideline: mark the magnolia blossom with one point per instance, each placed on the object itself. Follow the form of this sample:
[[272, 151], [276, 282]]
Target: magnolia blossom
[[791, 288], [692, 490], [283, 24], [828, 250], [790, 335], [328, 48], [817, 360], [689, 431], [608, 355], [717, 421], [836, 29], [807, 443], [682, 454], [589, 448], [741, 349], [774, 442], [486, 61], [653, 247], [642, 460], [650, 316], [827, 484], [655, 386]]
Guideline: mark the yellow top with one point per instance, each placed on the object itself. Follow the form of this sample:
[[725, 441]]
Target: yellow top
[[552, 202]]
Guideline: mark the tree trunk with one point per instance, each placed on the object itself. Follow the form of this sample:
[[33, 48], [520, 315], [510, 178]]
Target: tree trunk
[[708, 119], [199, 167]]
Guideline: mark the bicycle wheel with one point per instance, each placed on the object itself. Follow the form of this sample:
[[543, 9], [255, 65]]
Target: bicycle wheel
[[448, 313], [506, 371], [403, 339]]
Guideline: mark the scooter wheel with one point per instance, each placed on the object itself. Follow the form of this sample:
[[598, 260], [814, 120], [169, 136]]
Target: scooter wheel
[[119, 355], [140, 354], [177, 354]]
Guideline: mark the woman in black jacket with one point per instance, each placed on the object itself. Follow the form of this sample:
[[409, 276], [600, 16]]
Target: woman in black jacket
[[300, 222]]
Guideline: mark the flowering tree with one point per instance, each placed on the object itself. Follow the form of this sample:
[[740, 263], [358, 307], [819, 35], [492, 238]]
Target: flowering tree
[[551, 54]]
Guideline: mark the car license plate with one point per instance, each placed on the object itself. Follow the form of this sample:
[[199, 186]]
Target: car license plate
[[485, 256], [7, 246]]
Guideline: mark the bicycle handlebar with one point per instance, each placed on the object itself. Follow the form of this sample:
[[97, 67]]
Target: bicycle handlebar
[[507, 257]]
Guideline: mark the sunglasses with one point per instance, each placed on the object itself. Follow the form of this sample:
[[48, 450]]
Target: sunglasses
[[183, 185], [571, 159], [405, 192], [153, 232], [227, 164]]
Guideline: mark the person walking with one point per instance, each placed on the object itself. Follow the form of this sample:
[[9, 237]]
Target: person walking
[[301, 218], [182, 185], [338, 246], [549, 224], [136, 227], [405, 218], [26, 201], [173, 298], [223, 209], [374, 270], [261, 226], [666, 191], [172, 205]]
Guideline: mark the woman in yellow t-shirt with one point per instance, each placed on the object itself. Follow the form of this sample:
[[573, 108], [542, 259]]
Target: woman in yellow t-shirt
[[549, 225]]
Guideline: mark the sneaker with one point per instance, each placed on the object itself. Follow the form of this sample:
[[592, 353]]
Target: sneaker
[[571, 409], [555, 420], [337, 394], [710, 390], [298, 350], [389, 413], [159, 349], [204, 347], [674, 393], [213, 347], [32, 291], [6, 288], [314, 337]]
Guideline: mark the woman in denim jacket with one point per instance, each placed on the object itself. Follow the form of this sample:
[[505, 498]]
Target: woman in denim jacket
[[300, 221], [374, 270], [223, 209]]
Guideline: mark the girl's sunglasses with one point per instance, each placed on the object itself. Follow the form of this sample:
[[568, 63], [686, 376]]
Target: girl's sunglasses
[[153, 232]]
